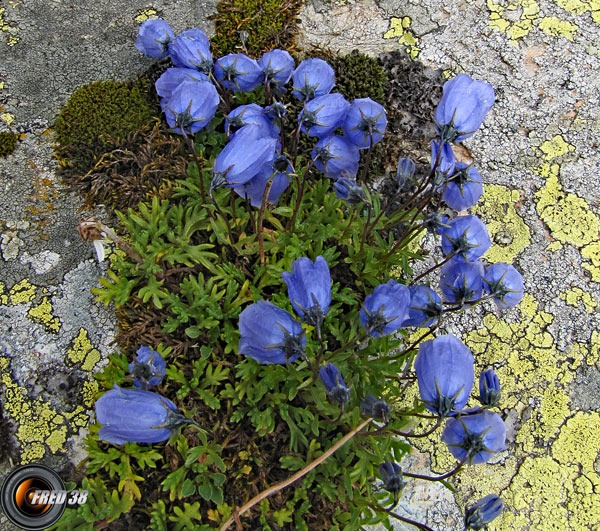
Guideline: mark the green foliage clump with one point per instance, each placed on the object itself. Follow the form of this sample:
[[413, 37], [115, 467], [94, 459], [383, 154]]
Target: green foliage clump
[[268, 23], [94, 114], [8, 143]]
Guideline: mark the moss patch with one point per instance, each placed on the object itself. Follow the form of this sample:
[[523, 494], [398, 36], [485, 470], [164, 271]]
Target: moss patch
[[95, 114], [8, 143]]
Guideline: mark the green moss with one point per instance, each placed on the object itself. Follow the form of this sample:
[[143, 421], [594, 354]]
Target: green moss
[[96, 112], [269, 24], [8, 142]]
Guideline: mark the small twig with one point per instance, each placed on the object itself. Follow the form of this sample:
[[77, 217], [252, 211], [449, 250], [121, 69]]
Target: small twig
[[301, 473], [418, 525]]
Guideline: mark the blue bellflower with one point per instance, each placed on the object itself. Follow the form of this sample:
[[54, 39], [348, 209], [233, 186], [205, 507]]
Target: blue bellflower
[[246, 153], [405, 171], [446, 161], [270, 334], [154, 36], [277, 67], [192, 106], [348, 190], [135, 415], [191, 49], [425, 307], [246, 115], [479, 515], [463, 189], [148, 369], [171, 78], [365, 122], [334, 155], [475, 437], [312, 77], [323, 114], [461, 282], [385, 309], [309, 289], [238, 72], [463, 107], [445, 374], [468, 236], [255, 187], [337, 392], [375, 408], [504, 283], [489, 388]]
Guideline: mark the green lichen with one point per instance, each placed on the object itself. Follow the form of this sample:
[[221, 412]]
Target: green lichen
[[94, 111], [8, 143], [268, 23]]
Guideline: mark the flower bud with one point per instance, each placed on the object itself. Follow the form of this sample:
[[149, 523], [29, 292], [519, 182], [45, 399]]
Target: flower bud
[[148, 368], [483, 512], [337, 392], [375, 408], [489, 388]]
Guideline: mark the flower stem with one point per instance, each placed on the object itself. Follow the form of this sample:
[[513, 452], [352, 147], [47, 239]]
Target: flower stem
[[259, 223], [433, 268], [418, 525], [301, 473], [438, 478]]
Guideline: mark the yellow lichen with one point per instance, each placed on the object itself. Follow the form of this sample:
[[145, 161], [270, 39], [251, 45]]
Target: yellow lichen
[[576, 295], [83, 352], [399, 27], [497, 209], [89, 392], [3, 296], [556, 147], [558, 28], [43, 314], [7, 117], [145, 14], [22, 291]]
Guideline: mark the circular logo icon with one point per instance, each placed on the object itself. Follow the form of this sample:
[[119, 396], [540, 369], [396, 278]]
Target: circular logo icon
[[33, 497]]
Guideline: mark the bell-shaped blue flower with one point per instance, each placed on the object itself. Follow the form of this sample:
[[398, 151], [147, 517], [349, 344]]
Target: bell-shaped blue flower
[[391, 475], [323, 114], [192, 106], [246, 153], [309, 289], [504, 283], [487, 509], [376, 408], [385, 309], [475, 437], [249, 114], [191, 49], [445, 374], [337, 392], [276, 111], [171, 78], [135, 415], [270, 334], [255, 187], [489, 388], [334, 155], [446, 160], [463, 189], [238, 72], [460, 281], [148, 369], [405, 172], [463, 107], [425, 307], [349, 190], [277, 67], [312, 77], [468, 236], [365, 120], [154, 36]]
